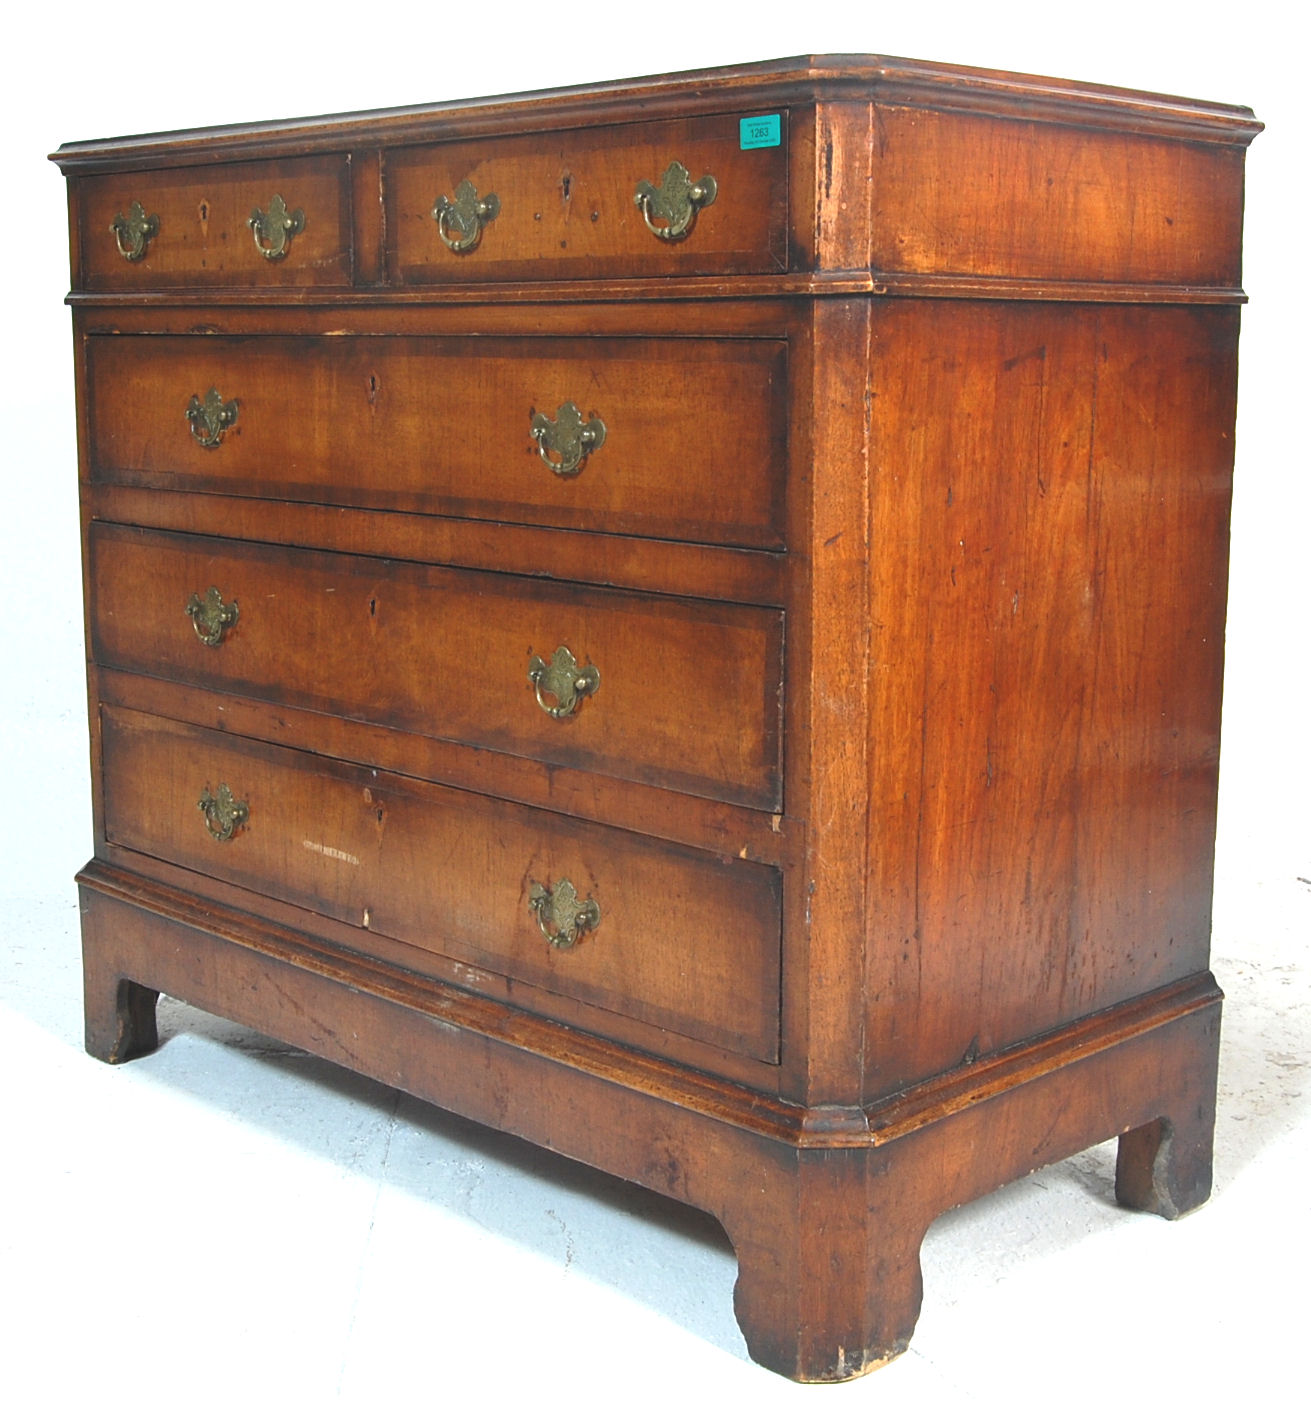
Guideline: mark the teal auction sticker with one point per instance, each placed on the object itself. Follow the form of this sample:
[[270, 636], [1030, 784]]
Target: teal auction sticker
[[761, 131]]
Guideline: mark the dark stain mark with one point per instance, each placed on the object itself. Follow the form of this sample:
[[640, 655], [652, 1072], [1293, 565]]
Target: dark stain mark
[[1033, 354], [828, 168]]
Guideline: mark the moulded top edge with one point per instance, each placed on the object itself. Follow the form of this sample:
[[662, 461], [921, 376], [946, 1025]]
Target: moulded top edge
[[912, 82]]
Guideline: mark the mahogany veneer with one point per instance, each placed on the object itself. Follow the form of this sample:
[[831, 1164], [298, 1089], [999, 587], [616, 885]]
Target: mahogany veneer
[[870, 865]]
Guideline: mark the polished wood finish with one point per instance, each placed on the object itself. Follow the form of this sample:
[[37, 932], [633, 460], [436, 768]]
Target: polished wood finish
[[443, 425], [567, 205], [826, 1218], [903, 564], [1115, 207], [685, 941], [446, 653], [204, 240], [643, 564], [1039, 853]]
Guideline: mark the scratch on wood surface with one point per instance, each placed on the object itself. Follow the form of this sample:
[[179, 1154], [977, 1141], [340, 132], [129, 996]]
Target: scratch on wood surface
[[331, 852]]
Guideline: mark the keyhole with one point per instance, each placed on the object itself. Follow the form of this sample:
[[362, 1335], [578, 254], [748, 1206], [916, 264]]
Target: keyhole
[[203, 212], [373, 388]]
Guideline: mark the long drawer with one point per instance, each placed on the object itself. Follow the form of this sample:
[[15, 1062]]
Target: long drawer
[[575, 204], [677, 438], [219, 226], [683, 695], [663, 934]]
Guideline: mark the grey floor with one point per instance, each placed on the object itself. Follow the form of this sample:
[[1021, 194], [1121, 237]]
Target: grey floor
[[261, 1227]]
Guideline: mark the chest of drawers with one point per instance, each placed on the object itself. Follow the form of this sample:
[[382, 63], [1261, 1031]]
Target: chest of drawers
[[682, 620]]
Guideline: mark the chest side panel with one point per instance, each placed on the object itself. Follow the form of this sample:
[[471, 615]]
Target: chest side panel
[[1050, 519]]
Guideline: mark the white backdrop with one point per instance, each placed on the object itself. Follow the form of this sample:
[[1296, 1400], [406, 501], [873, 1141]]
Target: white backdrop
[[79, 71]]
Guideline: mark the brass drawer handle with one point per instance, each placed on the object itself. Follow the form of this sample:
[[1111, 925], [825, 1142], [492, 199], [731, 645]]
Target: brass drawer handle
[[465, 215], [568, 436], [223, 813], [134, 231], [211, 616], [273, 232], [675, 201], [210, 418], [561, 917], [563, 680]]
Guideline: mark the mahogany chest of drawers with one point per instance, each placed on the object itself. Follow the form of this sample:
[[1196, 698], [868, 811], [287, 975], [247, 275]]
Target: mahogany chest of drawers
[[681, 619]]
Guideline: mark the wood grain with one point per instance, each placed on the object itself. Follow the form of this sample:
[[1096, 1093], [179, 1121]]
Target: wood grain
[[567, 205], [978, 196], [827, 1238], [446, 653], [903, 565], [694, 429], [748, 87], [679, 932], [1048, 609], [204, 240]]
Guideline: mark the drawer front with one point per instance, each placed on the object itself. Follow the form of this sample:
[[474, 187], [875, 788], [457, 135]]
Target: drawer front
[[192, 226], [685, 695], [676, 938], [692, 445], [566, 204]]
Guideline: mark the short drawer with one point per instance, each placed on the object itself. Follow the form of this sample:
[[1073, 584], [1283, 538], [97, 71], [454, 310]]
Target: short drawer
[[575, 204], [680, 438], [680, 694], [663, 934], [246, 225]]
